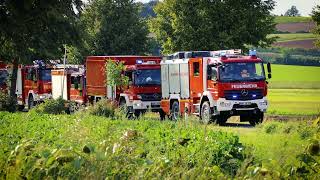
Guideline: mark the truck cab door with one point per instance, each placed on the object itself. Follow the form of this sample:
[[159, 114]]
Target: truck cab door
[[196, 78], [212, 78]]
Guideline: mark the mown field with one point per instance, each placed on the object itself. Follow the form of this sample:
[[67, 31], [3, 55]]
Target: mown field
[[294, 101], [35, 146], [294, 90], [293, 36], [295, 77], [287, 19]]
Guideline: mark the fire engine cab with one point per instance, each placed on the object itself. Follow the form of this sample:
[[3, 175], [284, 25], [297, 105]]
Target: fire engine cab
[[214, 85], [33, 84], [144, 89], [68, 82]]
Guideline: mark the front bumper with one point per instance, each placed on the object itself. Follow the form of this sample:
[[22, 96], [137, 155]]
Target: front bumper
[[237, 105], [145, 105]]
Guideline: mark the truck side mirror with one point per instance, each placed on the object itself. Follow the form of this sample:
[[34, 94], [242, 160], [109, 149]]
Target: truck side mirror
[[269, 70]]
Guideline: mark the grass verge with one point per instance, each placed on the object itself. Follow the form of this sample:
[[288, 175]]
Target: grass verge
[[294, 101], [293, 36]]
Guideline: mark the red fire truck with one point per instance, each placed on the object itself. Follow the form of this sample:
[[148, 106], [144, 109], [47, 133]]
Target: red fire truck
[[68, 82], [3, 76], [33, 84], [214, 85], [144, 90]]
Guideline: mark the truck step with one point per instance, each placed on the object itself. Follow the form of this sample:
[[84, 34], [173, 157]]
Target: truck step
[[196, 108]]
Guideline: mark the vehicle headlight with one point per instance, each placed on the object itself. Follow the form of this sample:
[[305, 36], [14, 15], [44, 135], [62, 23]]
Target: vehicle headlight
[[42, 96], [263, 103], [225, 104], [138, 104], [139, 97]]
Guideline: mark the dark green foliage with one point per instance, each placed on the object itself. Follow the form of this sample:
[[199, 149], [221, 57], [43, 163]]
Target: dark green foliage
[[146, 9], [290, 56], [270, 128], [211, 25], [113, 28], [7, 103], [36, 30], [104, 108], [52, 106], [292, 12], [316, 18]]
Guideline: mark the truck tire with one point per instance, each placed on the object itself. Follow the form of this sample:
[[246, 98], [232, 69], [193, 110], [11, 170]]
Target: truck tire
[[221, 119], [20, 107], [205, 113], [254, 120], [125, 109], [174, 111], [162, 115], [31, 102]]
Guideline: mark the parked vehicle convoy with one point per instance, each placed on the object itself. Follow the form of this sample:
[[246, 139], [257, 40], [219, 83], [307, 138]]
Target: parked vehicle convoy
[[33, 84], [3, 76], [68, 82], [214, 85], [143, 92]]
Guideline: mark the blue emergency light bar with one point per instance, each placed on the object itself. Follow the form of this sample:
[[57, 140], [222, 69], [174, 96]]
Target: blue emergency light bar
[[139, 61], [223, 53], [252, 52]]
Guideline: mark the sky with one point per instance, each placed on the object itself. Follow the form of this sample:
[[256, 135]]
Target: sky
[[304, 6]]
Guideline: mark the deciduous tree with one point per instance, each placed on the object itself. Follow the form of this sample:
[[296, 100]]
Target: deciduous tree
[[211, 25], [114, 27], [316, 18], [36, 29], [293, 11]]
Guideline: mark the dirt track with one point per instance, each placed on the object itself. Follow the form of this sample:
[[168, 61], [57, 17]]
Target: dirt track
[[306, 44], [295, 27]]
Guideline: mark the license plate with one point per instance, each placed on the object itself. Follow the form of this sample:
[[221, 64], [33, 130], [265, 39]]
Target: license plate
[[245, 103], [155, 103]]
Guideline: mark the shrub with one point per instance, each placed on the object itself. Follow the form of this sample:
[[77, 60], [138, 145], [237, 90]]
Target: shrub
[[104, 108], [270, 128], [52, 106], [7, 103]]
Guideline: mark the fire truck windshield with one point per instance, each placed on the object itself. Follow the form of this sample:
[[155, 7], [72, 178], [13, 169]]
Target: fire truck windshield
[[235, 72], [3, 76], [147, 77], [45, 74]]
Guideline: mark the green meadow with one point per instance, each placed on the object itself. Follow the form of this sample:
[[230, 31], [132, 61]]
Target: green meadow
[[294, 77], [293, 36], [287, 19], [294, 90], [82, 146]]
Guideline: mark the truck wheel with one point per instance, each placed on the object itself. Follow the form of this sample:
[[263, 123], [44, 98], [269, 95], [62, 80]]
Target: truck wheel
[[30, 102], [125, 109], [245, 118], [205, 113], [174, 114], [256, 119], [221, 119], [20, 107], [137, 113], [162, 115]]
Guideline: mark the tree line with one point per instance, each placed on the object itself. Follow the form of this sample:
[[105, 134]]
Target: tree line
[[39, 29]]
